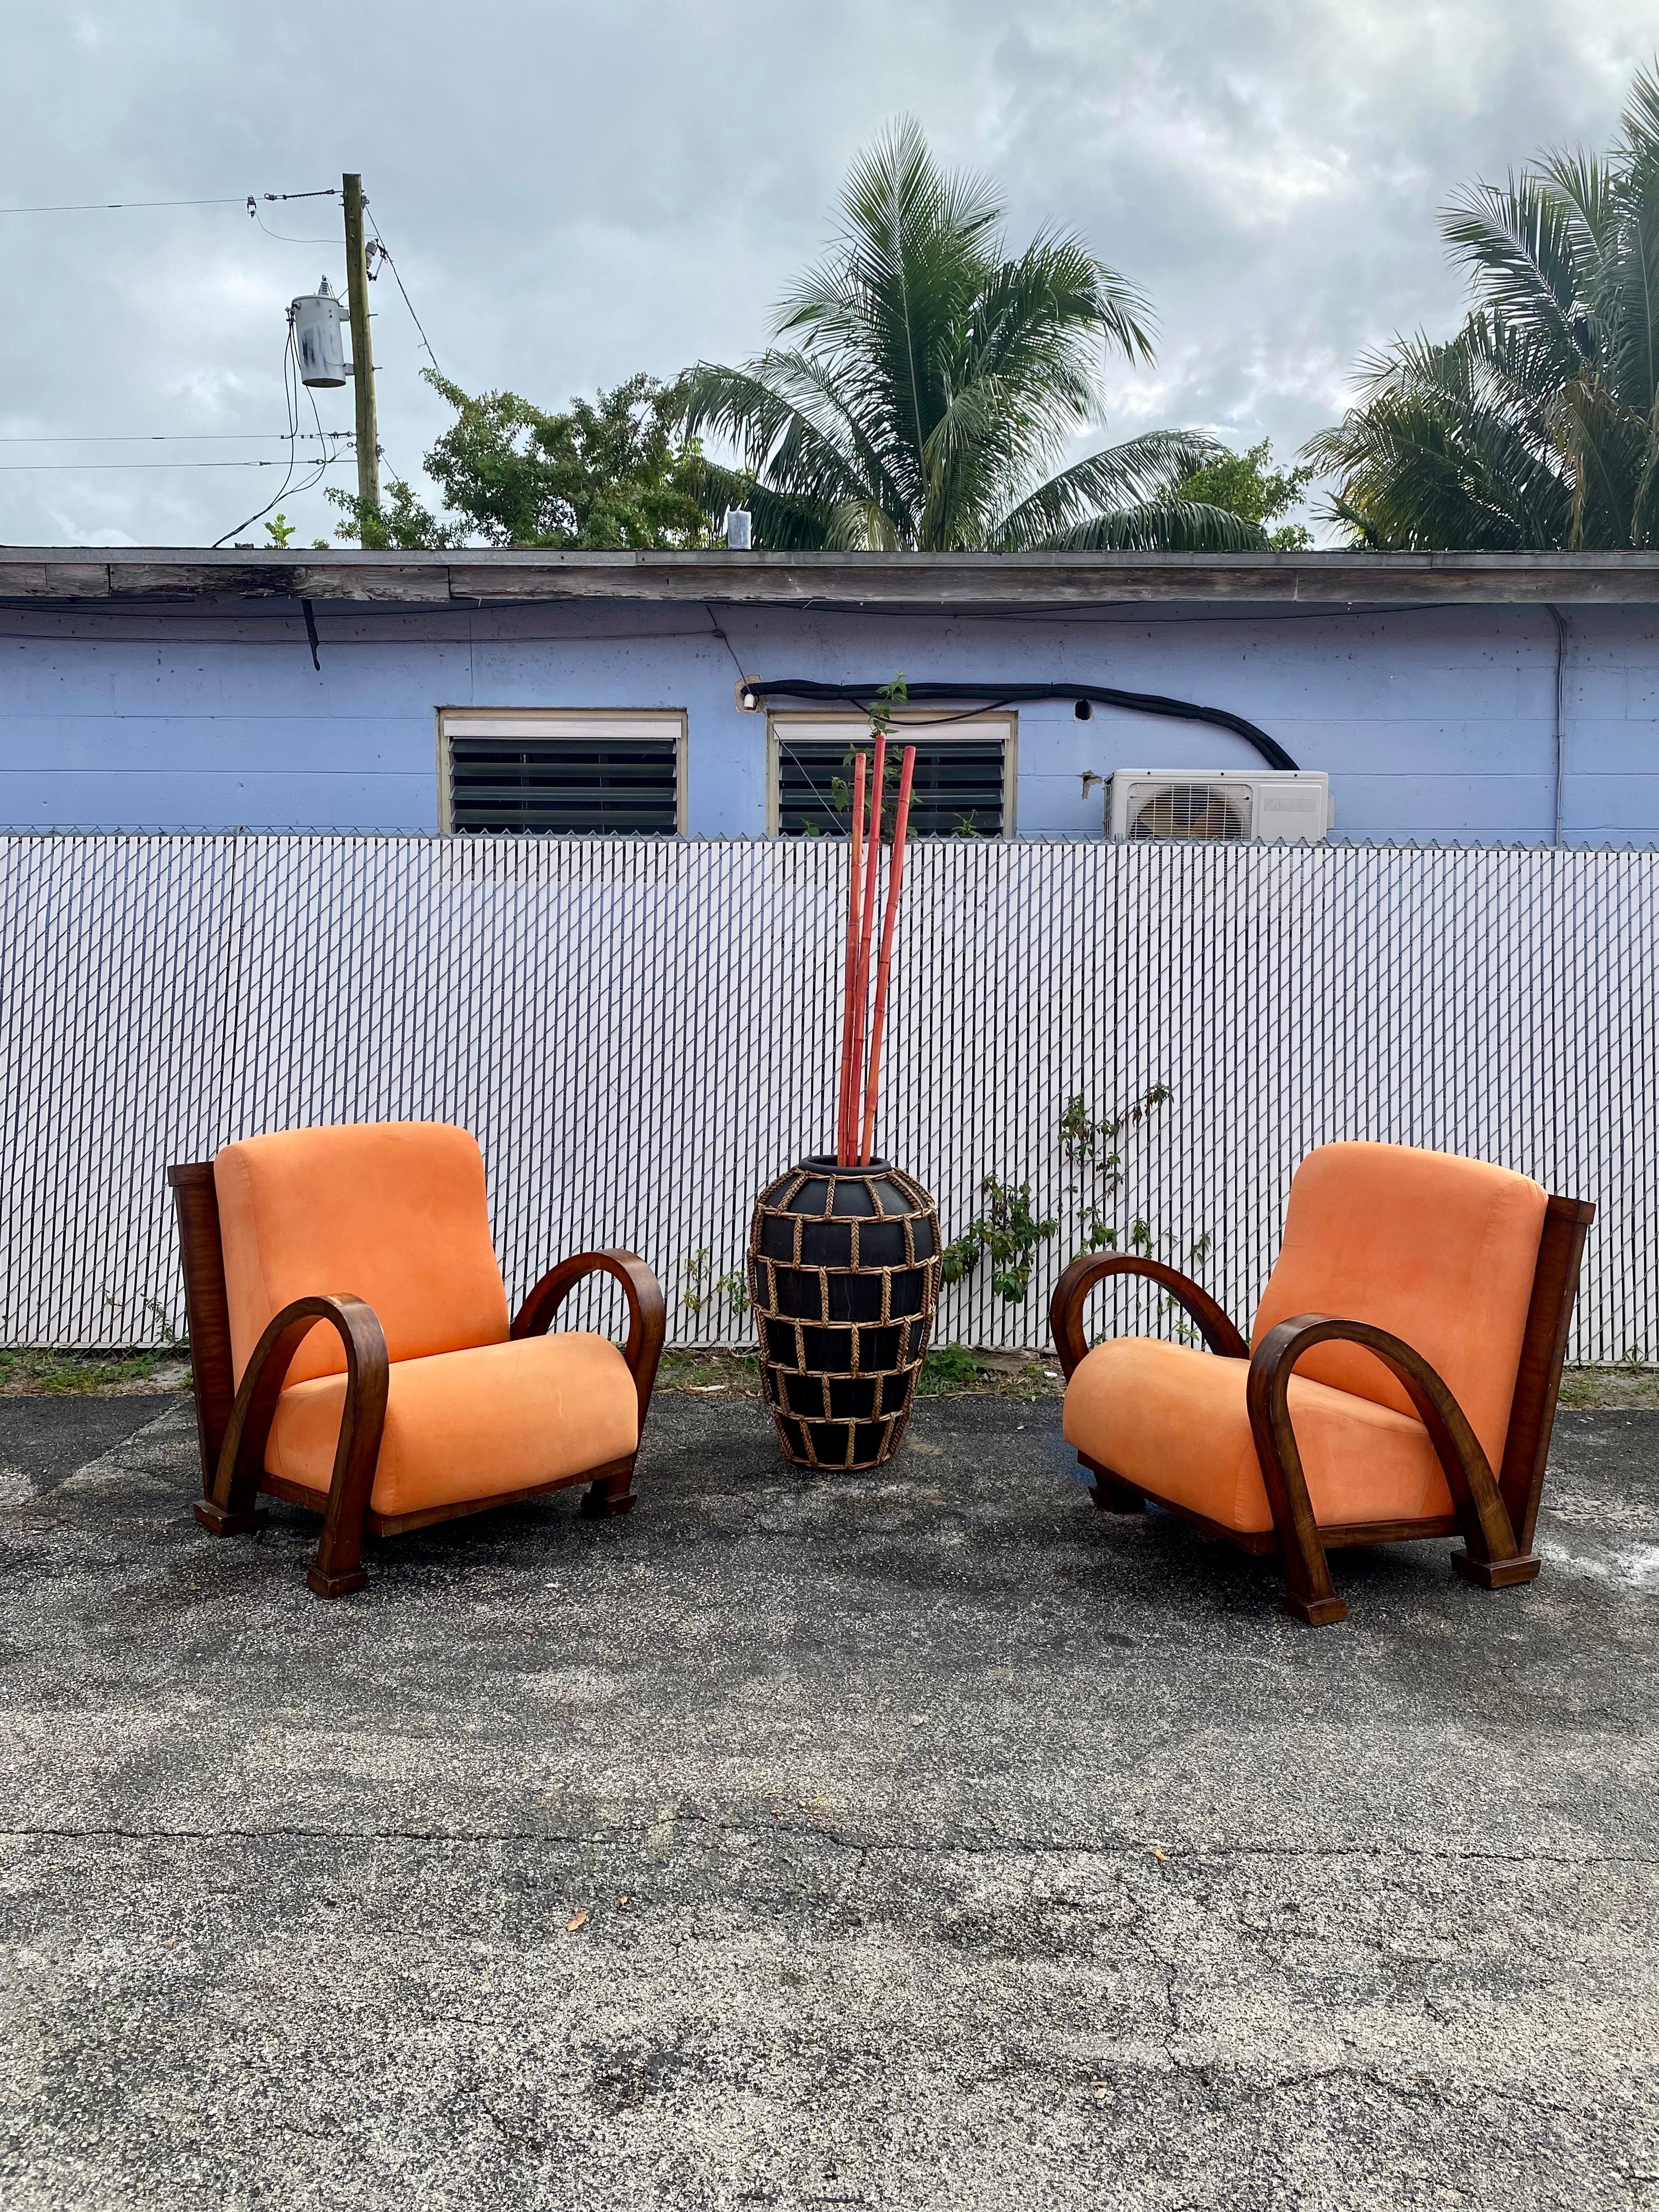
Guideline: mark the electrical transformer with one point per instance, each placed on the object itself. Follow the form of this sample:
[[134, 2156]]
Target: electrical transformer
[[317, 318]]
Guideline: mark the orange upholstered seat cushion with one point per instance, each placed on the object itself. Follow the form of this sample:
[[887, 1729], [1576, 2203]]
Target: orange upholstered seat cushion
[[467, 1424], [393, 1212], [1173, 1421], [1439, 1250]]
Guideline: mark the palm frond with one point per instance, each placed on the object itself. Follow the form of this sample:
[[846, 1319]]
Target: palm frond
[[1142, 474], [863, 525], [1608, 444], [1434, 460], [1632, 347], [1522, 243], [1640, 121], [1165, 525], [799, 458]]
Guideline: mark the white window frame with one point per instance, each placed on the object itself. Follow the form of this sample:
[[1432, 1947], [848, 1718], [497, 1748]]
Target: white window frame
[[576, 723], [793, 721]]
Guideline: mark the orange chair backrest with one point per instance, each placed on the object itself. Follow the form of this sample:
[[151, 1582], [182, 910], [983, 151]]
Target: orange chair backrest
[[1439, 1250], [394, 1211]]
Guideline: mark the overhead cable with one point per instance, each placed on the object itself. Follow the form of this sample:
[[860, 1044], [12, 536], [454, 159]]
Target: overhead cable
[[158, 437], [385, 256], [48, 468], [224, 199], [291, 390]]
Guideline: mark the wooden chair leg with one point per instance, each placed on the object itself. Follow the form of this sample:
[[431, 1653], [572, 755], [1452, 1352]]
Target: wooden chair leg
[[1308, 1594], [338, 1568], [1497, 1574], [224, 1520], [614, 1494], [233, 1507], [1109, 1495]]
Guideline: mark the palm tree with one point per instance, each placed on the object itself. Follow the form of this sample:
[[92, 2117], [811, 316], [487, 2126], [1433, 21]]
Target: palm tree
[[1538, 424], [923, 380]]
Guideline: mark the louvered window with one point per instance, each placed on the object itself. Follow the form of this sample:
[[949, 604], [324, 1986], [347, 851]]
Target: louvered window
[[961, 786], [565, 775]]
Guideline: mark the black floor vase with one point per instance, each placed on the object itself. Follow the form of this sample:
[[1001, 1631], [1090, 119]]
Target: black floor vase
[[843, 1270]]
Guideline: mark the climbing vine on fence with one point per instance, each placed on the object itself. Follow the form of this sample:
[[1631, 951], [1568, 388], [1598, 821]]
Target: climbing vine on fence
[[1007, 1232], [1009, 1227]]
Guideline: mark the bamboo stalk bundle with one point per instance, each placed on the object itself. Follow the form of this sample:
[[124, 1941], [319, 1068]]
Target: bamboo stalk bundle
[[895, 873], [861, 1023], [861, 984], [843, 1132]]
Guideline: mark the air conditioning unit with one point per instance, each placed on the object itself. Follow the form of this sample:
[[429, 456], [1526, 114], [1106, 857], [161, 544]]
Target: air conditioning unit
[[1220, 805]]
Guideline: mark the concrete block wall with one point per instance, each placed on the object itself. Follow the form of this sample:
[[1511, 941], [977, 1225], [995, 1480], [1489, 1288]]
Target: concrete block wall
[[1434, 724]]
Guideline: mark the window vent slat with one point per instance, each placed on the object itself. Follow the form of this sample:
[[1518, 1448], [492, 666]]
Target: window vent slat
[[564, 787], [959, 788]]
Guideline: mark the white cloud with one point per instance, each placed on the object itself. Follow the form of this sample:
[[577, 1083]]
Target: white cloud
[[574, 194]]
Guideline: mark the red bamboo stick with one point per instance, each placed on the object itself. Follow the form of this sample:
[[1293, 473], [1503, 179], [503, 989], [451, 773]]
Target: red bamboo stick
[[895, 872], [861, 985], [844, 1088]]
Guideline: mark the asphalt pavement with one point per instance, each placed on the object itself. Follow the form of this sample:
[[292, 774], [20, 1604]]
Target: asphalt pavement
[[923, 1839]]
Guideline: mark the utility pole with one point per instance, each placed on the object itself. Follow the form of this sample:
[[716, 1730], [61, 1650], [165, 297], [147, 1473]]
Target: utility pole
[[362, 346]]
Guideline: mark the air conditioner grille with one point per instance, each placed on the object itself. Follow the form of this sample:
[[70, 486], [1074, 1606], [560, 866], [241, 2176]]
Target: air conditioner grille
[[1195, 811]]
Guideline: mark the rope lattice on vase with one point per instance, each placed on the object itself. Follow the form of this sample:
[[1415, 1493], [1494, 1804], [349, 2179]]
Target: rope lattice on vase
[[843, 1270]]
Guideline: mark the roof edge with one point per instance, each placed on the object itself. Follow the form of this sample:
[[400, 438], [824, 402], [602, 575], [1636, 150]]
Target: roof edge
[[116, 575]]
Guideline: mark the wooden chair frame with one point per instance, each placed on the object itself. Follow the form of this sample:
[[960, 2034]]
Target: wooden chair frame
[[232, 1425], [1496, 1514]]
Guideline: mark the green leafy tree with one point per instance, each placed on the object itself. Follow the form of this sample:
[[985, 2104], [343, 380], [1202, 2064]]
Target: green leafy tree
[[1248, 485], [614, 473], [924, 378], [1536, 426]]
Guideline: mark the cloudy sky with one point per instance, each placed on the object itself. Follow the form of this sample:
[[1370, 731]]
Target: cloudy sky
[[573, 193]]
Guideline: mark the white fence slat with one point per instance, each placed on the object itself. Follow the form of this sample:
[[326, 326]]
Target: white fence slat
[[641, 1032]]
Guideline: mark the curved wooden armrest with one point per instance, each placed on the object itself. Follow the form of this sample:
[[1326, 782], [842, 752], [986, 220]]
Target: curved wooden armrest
[[648, 1315], [1481, 1513], [242, 1455], [1066, 1307]]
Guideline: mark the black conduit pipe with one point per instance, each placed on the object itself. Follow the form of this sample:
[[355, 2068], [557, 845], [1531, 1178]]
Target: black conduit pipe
[[989, 696]]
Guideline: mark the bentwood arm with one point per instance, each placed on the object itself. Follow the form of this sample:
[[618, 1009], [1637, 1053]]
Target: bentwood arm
[[1491, 1557], [1072, 1290], [648, 1316], [242, 1456]]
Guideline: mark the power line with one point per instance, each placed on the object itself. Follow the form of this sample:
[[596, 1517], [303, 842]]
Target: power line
[[385, 256], [161, 437], [224, 199], [282, 237], [47, 468], [292, 388], [101, 207]]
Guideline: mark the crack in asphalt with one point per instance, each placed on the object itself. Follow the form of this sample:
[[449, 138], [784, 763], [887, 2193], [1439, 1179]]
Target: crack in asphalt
[[1164, 1853]]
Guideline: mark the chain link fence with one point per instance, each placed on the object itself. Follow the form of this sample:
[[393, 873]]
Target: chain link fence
[[642, 1032]]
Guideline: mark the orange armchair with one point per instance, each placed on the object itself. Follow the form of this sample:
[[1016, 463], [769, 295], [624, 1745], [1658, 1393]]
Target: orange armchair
[[1401, 1380], [352, 1352]]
